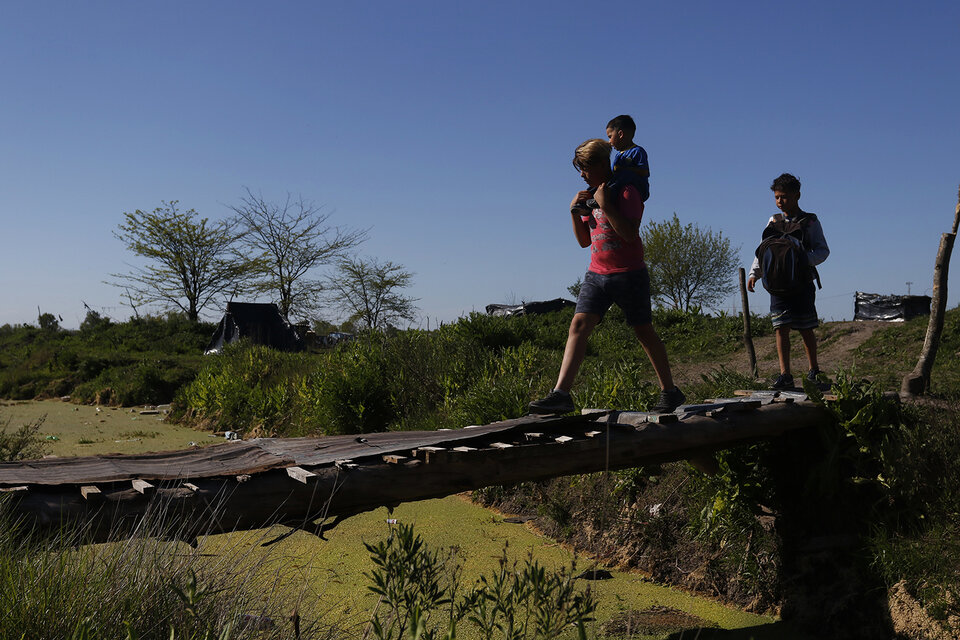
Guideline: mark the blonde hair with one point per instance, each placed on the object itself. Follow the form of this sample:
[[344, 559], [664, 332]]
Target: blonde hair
[[592, 152]]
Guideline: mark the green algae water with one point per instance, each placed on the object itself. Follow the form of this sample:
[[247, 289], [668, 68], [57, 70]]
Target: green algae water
[[324, 580]]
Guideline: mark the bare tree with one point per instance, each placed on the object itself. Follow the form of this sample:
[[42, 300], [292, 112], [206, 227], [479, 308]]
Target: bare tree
[[369, 291], [191, 261], [918, 381], [294, 239]]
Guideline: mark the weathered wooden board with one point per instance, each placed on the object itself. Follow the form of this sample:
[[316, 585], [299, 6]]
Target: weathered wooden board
[[353, 479]]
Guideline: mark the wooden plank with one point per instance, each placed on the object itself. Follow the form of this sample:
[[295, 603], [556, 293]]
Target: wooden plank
[[500, 445], [91, 492], [142, 486], [562, 439], [301, 475], [733, 407], [449, 456], [662, 418], [593, 434], [191, 486], [395, 459], [426, 450], [13, 489], [429, 454], [532, 436]]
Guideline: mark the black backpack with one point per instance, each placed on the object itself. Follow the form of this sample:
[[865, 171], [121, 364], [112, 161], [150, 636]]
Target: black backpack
[[783, 256]]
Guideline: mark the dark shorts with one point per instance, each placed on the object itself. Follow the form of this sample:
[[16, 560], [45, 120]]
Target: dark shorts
[[798, 311], [630, 291]]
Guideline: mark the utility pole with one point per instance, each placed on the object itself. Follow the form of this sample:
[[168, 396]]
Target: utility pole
[[908, 287]]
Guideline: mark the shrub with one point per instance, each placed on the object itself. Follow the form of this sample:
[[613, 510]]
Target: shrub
[[416, 588]]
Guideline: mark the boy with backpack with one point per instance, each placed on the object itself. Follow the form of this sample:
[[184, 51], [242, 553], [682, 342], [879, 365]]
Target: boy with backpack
[[793, 244]]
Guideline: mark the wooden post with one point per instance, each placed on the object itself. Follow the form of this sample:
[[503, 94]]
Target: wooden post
[[747, 336], [918, 381]]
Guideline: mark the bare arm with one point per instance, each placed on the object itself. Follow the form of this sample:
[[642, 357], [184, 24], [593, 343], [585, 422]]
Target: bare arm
[[626, 228]]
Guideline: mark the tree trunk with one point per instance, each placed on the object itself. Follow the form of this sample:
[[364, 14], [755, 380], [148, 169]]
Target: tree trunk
[[918, 381]]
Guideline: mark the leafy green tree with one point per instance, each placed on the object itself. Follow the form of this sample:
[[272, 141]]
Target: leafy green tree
[[49, 322], [689, 267], [190, 260], [295, 239], [369, 290]]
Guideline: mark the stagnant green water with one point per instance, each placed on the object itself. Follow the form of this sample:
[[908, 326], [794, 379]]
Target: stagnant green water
[[325, 578]]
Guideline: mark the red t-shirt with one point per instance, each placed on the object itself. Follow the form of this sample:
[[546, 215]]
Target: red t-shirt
[[609, 253]]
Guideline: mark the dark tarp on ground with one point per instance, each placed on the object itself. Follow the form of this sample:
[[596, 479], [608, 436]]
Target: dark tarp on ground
[[528, 308], [874, 306], [261, 323]]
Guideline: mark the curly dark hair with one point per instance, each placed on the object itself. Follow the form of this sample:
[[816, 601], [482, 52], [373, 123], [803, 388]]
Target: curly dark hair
[[623, 123], [787, 183]]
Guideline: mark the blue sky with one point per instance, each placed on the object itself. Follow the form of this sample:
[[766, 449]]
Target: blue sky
[[448, 130]]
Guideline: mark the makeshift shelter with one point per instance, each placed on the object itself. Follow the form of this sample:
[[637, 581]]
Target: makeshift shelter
[[889, 308], [528, 308], [260, 323]]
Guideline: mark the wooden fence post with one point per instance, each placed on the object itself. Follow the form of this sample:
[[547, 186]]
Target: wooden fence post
[[747, 336], [918, 381]]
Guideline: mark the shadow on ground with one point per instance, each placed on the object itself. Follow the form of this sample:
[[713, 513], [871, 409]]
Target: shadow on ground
[[775, 631]]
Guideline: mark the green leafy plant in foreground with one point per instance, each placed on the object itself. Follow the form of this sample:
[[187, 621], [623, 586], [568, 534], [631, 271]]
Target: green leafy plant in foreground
[[414, 584]]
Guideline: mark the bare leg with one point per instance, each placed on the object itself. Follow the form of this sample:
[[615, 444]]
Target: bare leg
[[656, 352], [581, 327], [783, 348], [810, 346]]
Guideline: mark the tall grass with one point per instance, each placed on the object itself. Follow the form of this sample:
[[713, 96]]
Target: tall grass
[[143, 360], [476, 370]]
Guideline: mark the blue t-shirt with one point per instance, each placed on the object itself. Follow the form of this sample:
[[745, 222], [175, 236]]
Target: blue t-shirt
[[635, 156]]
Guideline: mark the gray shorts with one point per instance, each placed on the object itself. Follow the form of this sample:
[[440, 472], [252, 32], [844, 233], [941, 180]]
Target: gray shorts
[[630, 291], [797, 311]]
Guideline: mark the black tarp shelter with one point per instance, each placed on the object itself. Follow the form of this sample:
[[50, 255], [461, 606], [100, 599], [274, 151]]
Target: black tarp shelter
[[261, 323], [528, 308], [889, 308]]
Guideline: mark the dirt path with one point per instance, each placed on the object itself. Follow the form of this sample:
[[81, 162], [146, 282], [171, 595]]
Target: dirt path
[[836, 342]]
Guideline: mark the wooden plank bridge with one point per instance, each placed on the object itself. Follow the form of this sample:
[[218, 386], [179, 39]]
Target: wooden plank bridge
[[312, 483]]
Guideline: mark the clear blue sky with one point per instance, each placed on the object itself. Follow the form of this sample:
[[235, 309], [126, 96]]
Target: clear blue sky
[[448, 129]]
